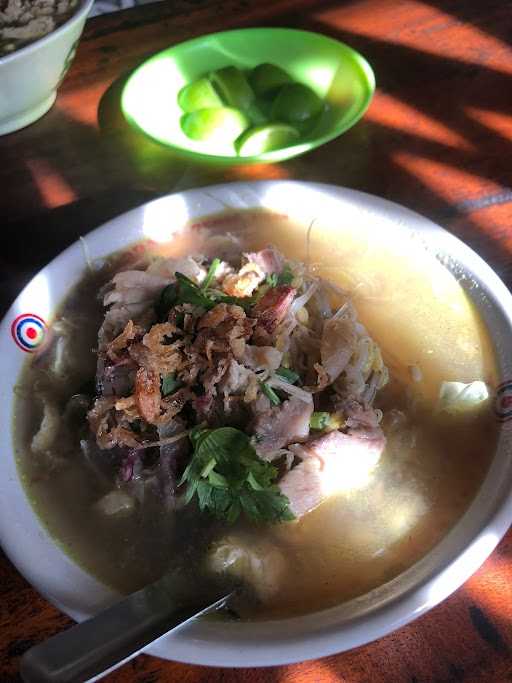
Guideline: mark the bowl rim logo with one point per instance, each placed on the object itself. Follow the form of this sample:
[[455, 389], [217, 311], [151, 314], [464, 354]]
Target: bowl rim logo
[[503, 401], [29, 331]]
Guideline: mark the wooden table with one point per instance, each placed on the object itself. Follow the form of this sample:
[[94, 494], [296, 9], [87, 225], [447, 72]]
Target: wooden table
[[437, 138]]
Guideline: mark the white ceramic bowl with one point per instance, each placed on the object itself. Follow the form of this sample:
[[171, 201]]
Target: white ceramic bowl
[[371, 616], [29, 77]]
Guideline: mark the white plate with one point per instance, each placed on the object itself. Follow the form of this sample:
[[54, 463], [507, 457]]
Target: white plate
[[432, 579]]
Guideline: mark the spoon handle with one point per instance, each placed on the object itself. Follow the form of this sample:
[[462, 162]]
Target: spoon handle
[[94, 647]]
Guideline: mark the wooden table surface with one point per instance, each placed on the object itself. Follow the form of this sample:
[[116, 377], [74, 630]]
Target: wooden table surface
[[437, 138]]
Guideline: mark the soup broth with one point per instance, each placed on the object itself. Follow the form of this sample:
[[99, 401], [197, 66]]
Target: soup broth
[[385, 521]]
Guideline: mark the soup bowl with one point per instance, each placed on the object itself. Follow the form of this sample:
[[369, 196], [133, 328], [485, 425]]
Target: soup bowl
[[372, 615], [30, 76]]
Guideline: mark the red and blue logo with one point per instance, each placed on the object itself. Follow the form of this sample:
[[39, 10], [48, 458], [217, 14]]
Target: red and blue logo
[[29, 331], [503, 403]]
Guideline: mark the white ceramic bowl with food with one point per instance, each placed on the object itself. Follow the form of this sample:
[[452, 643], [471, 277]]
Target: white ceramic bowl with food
[[398, 267], [31, 75]]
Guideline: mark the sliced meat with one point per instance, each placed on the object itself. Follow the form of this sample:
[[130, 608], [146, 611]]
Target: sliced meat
[[359, 417], [268, 259], [270, 310], [262, 357], [134, 286], [279, 426], [235, 379], [337, 346], [332, 463]]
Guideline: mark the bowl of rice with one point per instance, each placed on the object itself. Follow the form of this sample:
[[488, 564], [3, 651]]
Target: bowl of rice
[[38, 41]]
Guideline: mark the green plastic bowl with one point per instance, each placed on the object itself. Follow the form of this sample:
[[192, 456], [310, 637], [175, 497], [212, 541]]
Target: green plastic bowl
[[339, 74]]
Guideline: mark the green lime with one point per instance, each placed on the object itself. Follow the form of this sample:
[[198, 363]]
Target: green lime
[[266, 78], [266, 138], [256, 114], [198, 95], [233, 87], [224, 124], [296, 103]]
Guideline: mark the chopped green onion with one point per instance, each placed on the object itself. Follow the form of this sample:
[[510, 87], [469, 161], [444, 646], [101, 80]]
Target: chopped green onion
[[270, 394], [319, 420], [211, 274], [287, 374], [170, 384]]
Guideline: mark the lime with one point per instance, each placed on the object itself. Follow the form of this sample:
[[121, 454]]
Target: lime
[[267, 78], [233, 87], [256, 114], [224, 124], [198, 95], [295, 103], [266, 138]]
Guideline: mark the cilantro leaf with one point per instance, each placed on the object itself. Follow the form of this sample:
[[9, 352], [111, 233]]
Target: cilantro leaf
[[270, 393], [227, 477], [190, 293]]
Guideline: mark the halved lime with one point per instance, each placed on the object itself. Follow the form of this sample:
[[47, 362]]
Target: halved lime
[[198, 95], [224, 124], [296, 103], [267, 78], [233, 87], [266, 138], [256, 114]]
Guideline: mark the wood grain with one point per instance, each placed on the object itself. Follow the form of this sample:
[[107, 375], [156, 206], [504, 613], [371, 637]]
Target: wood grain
[[437, 138]]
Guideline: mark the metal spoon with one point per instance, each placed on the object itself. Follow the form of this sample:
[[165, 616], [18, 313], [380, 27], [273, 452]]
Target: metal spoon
[[90, 650]]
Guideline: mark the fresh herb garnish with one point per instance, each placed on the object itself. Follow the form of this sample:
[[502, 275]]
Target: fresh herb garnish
[[319, 420], [270, 393], [170, 384], [210, 274], [228, 478], [167, 299], [286, 276], [289, 375], [185, 291], [190, 293]]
